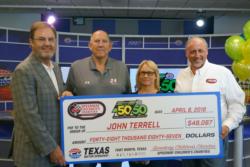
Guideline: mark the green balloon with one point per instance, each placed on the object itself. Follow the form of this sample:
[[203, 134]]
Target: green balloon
[[241, 69], [246, 51], [246, 30], [233, 47]]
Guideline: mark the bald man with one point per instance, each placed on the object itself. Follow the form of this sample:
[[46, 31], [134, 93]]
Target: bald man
[[99, 74], [203, 76]]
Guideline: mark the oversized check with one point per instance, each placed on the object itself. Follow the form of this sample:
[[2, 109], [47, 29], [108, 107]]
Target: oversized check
[[140, 127]]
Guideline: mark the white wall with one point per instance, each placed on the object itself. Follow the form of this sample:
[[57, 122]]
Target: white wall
[[86, 28], [172, 27], [20, 21], [123, 26], [232, 24], [222, 25], [130, 26], [126, 26]]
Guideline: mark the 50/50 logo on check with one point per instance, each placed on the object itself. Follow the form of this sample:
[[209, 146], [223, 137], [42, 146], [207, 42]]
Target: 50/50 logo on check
[[130, 109]]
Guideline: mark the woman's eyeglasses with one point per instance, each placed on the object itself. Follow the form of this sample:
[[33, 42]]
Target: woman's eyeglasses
[[148, 73]]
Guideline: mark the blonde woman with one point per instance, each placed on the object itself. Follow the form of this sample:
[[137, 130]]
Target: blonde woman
[[147, 78], [148, 82]]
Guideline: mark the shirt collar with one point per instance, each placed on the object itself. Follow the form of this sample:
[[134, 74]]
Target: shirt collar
[[48, 67], [93, 66], [201, 70]]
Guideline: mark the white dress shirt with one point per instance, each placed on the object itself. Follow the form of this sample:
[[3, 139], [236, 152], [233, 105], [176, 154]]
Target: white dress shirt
[[52, 75], [210, 78]]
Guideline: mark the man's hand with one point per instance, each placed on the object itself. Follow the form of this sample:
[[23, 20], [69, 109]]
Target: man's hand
[[56, 157], [224, 132], [65, 93]]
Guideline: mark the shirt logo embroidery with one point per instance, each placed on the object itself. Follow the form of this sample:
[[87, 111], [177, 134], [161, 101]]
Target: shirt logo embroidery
[[86, 82], [211, 80], [113, 81]]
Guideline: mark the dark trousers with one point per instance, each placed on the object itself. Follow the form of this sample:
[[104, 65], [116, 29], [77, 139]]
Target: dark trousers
[[111, 164], [104, 164], [217, 162], [154, 163]]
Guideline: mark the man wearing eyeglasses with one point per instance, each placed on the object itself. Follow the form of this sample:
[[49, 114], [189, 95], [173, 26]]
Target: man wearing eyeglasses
[[36, 85]]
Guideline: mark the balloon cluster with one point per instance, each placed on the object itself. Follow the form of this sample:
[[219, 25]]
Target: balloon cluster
[[238, 49]]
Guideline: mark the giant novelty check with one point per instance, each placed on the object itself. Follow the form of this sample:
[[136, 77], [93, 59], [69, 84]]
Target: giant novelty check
[[140, 127]]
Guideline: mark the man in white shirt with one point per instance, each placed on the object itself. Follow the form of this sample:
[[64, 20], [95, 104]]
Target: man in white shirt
[[203, 76]]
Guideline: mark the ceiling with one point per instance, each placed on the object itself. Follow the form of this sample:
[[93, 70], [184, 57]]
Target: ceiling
[[170, 9]]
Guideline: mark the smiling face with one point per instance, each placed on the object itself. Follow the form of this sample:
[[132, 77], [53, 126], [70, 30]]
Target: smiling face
[[196, 52], [43, 43], [100, 45], [147, 76]]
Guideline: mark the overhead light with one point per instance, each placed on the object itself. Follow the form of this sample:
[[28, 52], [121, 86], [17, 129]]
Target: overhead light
[[200, 22], [51, 19], [49, 16]]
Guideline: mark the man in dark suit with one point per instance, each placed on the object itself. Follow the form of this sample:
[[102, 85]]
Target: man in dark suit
[[36, 85]]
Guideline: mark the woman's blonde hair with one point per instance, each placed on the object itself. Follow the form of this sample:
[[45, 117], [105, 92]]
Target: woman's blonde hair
[[152, 66]]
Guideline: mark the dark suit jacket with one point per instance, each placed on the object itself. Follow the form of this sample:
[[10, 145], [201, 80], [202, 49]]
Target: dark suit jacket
[[36, 107]]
